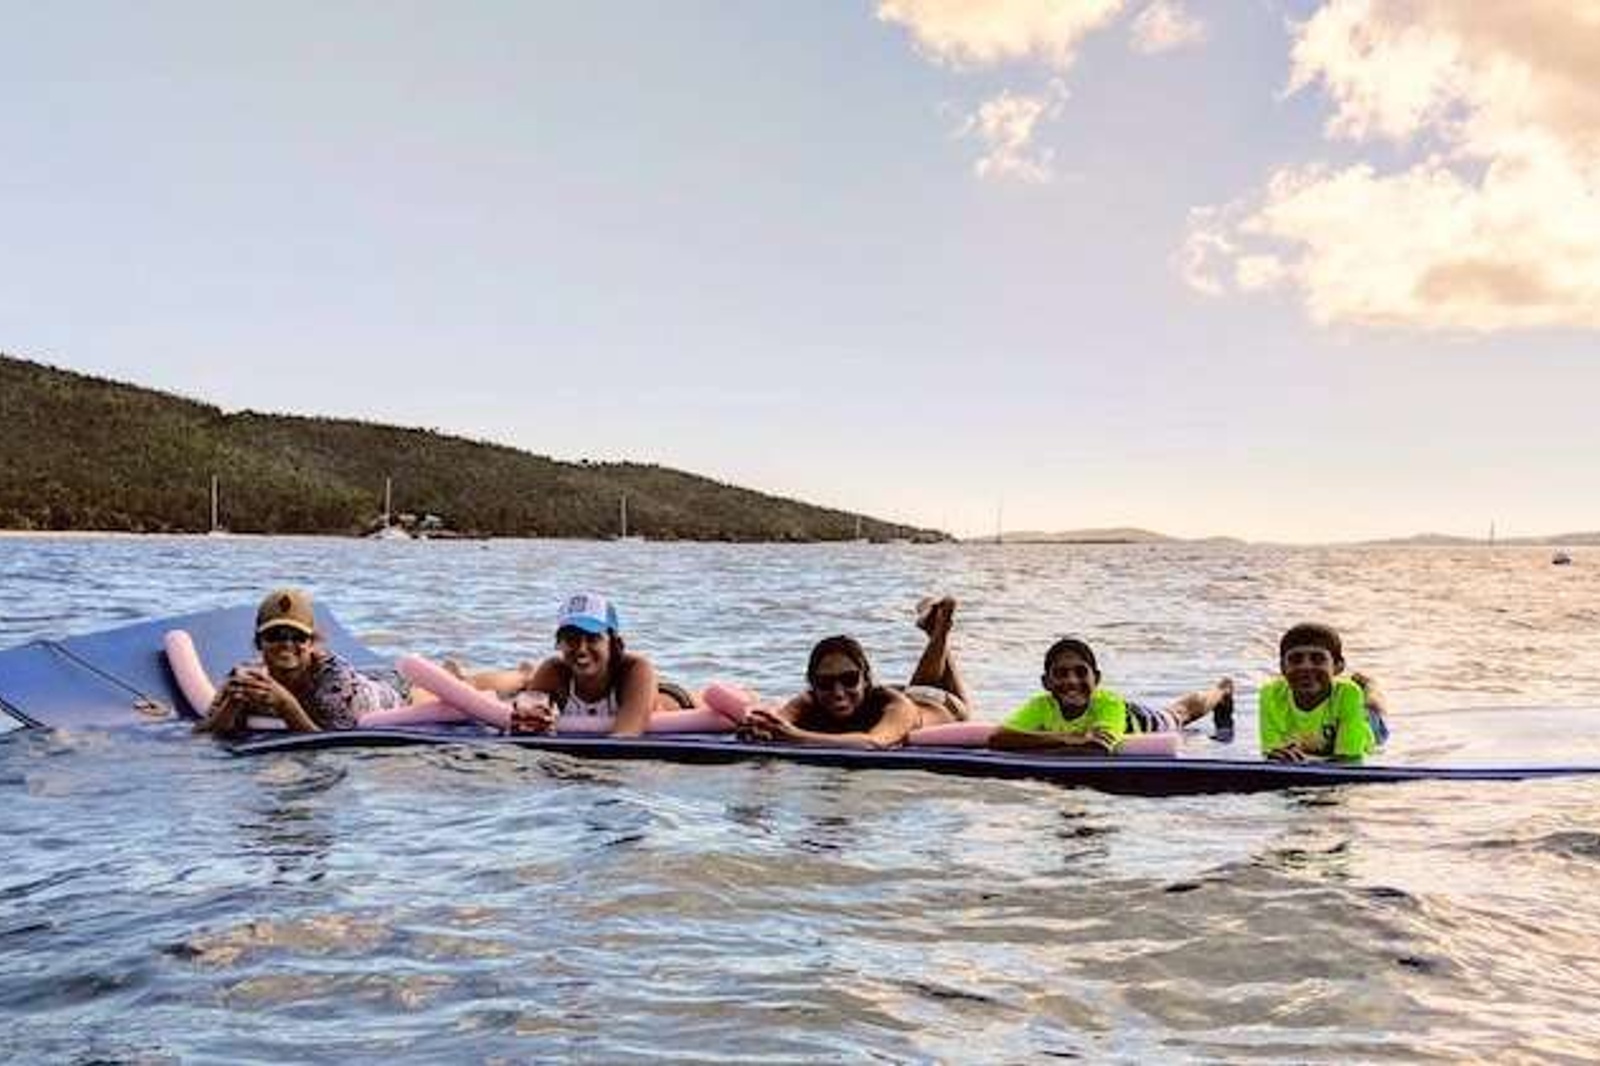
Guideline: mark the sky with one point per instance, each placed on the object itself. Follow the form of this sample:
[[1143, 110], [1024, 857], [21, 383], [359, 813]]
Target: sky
[[1293, 270]]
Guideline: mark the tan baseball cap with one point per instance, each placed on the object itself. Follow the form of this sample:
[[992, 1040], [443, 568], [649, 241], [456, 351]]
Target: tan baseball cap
[[286, 607]]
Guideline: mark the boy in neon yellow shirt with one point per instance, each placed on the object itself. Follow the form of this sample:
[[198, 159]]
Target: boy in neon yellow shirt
[[1309, 711], [1075, 714]]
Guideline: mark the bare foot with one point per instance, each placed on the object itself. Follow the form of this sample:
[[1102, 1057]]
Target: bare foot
[[1220, 703], [1222, 690], [935, 613]]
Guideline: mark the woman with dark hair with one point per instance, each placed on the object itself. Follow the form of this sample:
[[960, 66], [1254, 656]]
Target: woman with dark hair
[[843, 706], [592, 674]]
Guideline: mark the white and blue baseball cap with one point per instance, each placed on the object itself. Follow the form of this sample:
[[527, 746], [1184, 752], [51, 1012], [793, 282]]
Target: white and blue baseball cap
[[588, 611]]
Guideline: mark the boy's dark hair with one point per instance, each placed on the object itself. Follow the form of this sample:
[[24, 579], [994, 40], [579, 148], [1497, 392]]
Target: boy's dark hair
[[849, 647], [1312, 634], [1077, 647]]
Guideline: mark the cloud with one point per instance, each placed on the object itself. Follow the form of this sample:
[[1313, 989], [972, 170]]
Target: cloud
[[977, 33], [1164, 26], [1497, 224], [965, 34], [1006, 125]]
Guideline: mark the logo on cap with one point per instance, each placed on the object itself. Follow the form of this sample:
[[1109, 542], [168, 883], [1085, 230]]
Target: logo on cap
[[589, 612]]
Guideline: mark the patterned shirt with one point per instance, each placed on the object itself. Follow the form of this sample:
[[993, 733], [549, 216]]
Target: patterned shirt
[[340, 694]]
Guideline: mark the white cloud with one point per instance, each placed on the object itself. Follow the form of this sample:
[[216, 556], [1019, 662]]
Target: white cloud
[[964, 34], [1498, 227], [973, 33], [1006, 125], [1165, 25]]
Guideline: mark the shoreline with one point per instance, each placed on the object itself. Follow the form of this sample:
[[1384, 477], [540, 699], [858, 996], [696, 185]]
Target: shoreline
[[979, 544]]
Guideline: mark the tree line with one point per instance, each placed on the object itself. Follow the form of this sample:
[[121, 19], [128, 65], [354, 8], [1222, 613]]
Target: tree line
[[79, 452]]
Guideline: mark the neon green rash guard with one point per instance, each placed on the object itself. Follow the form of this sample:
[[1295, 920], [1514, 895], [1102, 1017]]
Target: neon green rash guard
[[1042, 714], [1338, 726]]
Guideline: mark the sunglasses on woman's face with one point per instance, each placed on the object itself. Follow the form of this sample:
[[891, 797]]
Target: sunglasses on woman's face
[[284, 635], [847, 680], [573, 637]]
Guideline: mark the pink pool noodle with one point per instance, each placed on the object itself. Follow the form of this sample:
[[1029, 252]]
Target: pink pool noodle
[[486, 707], [188, 672]]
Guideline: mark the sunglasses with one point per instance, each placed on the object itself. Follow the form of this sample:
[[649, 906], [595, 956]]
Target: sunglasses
[[284, 635], [573, 637], [847, 680]]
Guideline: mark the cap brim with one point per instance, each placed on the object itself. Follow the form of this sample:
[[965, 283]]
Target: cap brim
[[587, 623], [292, 623]]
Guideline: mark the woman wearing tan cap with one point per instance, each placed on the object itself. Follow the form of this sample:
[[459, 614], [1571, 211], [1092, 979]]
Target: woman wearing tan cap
[[297, 681]]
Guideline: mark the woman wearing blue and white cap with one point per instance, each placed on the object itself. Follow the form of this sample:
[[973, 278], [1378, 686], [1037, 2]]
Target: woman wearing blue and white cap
[[592, 674]]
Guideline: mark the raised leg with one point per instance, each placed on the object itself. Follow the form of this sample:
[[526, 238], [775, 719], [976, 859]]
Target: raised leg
[[1216, 700], [937, 666]]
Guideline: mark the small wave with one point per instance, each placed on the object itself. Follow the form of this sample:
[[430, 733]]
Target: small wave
[[1577, 844], [322, 934]]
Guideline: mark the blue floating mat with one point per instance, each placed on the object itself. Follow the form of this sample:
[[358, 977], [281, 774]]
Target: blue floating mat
[[119, 678], [1126, 775]]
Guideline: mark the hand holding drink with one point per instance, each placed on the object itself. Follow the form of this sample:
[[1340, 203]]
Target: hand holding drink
[[533, 712]]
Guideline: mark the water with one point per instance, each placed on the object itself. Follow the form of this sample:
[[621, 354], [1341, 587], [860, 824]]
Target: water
[[163, 901]]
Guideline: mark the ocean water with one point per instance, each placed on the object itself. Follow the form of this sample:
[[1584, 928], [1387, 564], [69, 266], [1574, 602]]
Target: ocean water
[[163, 901]]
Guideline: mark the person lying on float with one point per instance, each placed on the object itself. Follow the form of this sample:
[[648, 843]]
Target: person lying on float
[[592, 675], [298, 681], [1311, 712], [842, 706], [1075, 714]]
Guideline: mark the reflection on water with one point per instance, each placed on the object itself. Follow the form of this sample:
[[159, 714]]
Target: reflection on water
[[160, 900]]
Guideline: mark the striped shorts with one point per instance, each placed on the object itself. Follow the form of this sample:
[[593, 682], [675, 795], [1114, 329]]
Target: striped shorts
[[1142, 719]]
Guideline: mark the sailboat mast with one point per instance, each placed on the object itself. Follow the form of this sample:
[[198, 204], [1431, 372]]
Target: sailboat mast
[[213, 503], [388, 491], [624, 517]]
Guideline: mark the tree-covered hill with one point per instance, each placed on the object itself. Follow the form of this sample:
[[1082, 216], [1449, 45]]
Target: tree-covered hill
[[78, 452]]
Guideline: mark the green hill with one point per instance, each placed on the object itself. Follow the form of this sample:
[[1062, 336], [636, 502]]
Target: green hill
[[79, 452]]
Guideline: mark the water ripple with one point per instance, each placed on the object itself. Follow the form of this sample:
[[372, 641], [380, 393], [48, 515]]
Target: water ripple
[[163, 902]]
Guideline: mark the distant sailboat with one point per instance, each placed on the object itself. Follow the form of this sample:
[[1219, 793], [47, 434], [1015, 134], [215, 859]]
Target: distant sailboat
[[859, 539], [1560, 558], [388, 531], [216, 529], [623, 535]]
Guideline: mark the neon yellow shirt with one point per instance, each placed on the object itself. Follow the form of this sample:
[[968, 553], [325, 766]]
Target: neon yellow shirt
[[1042, 714], [1337, 726]]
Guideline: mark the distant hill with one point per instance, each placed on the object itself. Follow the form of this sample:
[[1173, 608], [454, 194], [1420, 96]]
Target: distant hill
[[1130, 535], [1445, 540], [79, 452], [1115, 535]]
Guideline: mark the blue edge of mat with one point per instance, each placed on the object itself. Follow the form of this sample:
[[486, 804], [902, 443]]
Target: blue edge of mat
[[119, 678]]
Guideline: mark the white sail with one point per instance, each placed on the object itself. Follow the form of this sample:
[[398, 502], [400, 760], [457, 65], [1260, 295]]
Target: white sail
[[623, 523], [388, 531]]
